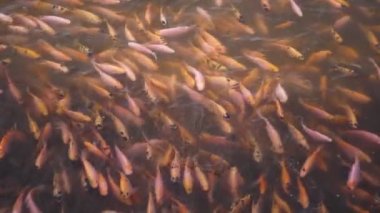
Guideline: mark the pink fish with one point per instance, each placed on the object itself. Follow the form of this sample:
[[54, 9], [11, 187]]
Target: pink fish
[[141, 48], [363, 135], [30, 203], [315, 135], [159, 187], [198, 76], [176, 31], [296, 9], [109, 80], [6, 19], [125, 164], [162, 48], [273, 135], [354, 175], [55, 20]]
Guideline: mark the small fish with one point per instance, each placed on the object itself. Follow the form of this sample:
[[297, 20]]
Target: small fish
[[303, 197], [260, 61], [174, 32], [103, 185], [163, 20], [318, 112], [201, 177], [148, 16], [198, 76], [265, 5], [111, 31], [110, 81], [298, 136], [126, 188], [151, 206], [363, 135], [30, 203], [55, 20], [354, 175], [310, 162], [14, 91], [159, 187], [353, 95], [318, 57], [281, 93], [273, 135], [33, 126], [86, 16], [188, 180], [285, 177], [289, 50], [175, 167], [124, 162], [296, 9], [41, 157], [128, 34], [52, 51], [38, 103], [141, 48], [26, 52], [90, 171], [120, 128], [5, 19], [315, 135], [336, 36]]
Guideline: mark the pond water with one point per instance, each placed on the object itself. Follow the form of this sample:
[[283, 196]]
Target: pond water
[[189, 106]]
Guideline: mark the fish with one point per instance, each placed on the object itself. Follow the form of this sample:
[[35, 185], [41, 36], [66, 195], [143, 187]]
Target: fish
[[163, 20], [296, 8], [354, 175], [124, 163], [90, 171], [159, 187], [7, 138], [298, 136], [198, 76], [188, 180], [260, 61], [310, 162], [175, 167], [126, 188], [285, 177], [151, 206], [315, 135], [41, 157], [273, 135], [303, 197], [354, 96], [55, 20], [363, 135], [177, 31]]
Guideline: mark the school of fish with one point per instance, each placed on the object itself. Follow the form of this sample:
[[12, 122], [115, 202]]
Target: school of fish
[[189, 106]]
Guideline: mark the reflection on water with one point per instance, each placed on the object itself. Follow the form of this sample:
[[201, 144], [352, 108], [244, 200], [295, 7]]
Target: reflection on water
[[189, 106]]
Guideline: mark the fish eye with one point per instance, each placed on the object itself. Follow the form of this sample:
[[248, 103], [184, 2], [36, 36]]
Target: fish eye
[[241, 19], [163, 22], [226, 116], [90, 53], [99, 126], [266, 7], [173, 126]]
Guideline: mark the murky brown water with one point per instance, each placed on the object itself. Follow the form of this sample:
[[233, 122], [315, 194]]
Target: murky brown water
[[210, 97]]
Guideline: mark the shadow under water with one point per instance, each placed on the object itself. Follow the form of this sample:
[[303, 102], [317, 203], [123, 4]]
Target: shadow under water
[[189, 106]]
